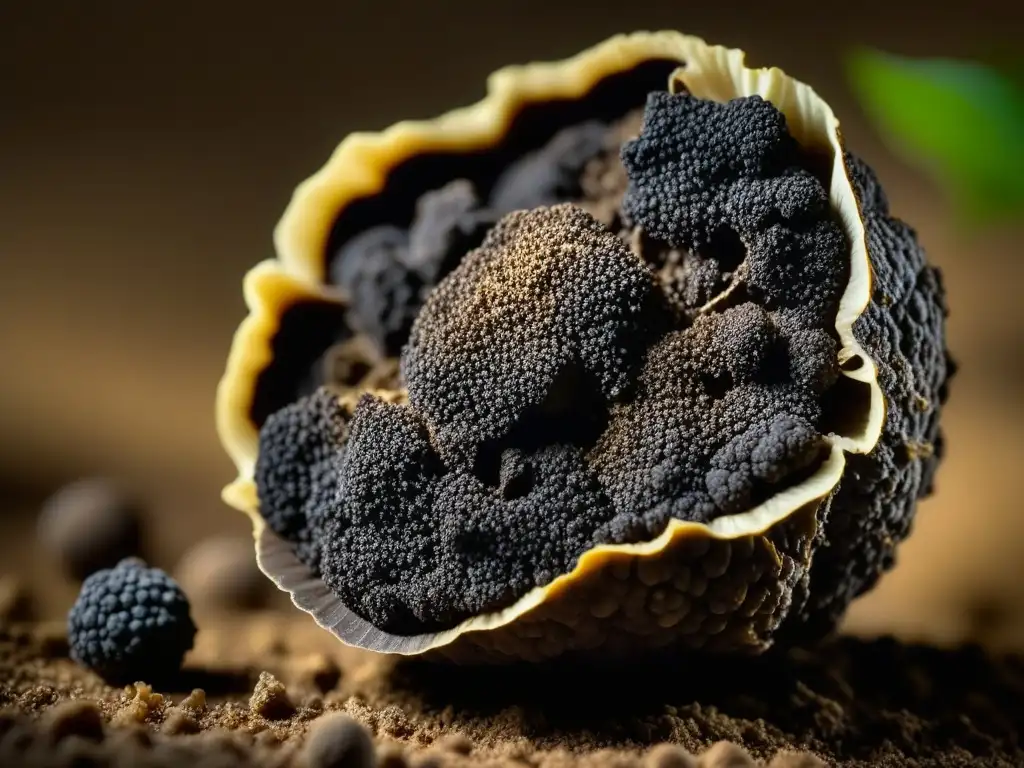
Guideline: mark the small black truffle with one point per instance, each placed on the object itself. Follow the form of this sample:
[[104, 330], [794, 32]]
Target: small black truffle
[[130, 622]]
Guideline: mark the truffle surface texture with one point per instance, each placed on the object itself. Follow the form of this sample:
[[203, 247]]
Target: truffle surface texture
[[130, 622]]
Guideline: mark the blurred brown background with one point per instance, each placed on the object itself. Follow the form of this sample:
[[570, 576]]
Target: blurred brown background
[[147, 150]]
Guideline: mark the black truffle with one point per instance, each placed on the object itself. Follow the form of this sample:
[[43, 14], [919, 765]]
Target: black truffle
[[563, 393], [130, 622], [902, 330]]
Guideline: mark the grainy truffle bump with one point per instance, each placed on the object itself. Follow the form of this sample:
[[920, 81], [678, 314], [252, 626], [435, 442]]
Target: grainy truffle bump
[[130, 622], [297, 469], [337, 741], [549, 294]]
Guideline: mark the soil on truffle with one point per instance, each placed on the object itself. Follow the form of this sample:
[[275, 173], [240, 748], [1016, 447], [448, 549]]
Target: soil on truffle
[[266, 677]]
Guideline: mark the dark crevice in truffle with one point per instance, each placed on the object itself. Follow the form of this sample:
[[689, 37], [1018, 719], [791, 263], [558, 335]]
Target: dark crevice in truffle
[[306, 330], [852, 364], [726, 248], [573, 413], [846, 406]]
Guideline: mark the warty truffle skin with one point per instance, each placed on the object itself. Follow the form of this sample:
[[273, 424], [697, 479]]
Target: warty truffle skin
[[903, 331], [297, 470], [130, 622]]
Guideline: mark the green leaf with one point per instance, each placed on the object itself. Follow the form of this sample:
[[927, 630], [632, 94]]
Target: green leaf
[[961, 120]]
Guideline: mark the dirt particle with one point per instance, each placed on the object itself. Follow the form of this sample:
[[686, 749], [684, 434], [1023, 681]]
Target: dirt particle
[[75, 718], [392, 721], [337, 741], [140, 704], [195, 701], [270, 698], [669, 756], [787, 759], [37, 697], [180, 721], [457, 743], [725, 754]]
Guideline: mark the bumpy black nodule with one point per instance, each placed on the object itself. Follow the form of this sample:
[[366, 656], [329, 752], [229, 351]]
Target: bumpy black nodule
[[130, 623], [297, 470]]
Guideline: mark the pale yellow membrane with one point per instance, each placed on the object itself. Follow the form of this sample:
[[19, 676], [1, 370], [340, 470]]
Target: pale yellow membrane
[[268, 291], [360, 167]]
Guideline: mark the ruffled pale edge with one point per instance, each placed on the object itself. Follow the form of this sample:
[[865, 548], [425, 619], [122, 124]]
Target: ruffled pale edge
[[360, 166]]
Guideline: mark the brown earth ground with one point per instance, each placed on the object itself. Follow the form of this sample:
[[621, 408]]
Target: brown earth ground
[[266, 676]]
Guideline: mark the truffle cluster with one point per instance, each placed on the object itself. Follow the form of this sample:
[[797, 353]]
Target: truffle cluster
[[130, 622], [565, 391]]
